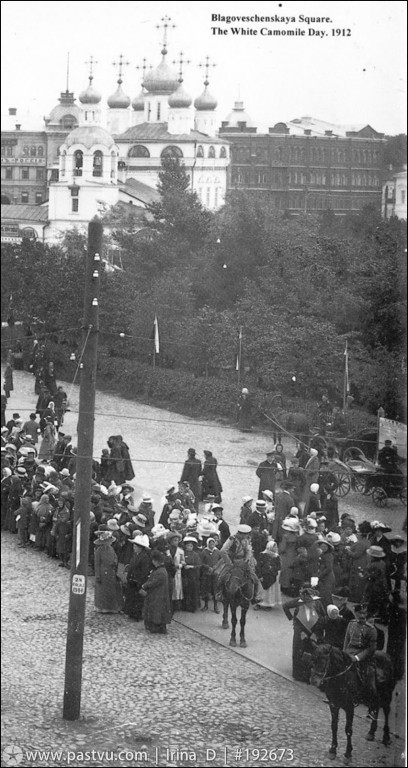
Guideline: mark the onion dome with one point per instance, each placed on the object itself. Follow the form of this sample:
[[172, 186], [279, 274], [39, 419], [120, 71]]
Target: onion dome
[[90, 95], [90, 135], [162, 79], [205, 101], [180, 98], [238, 115], [119, 100], [138, 102]]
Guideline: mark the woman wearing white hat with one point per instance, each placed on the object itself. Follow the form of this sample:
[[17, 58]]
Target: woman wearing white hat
[[137, 572], [108, 589], [288, 553]]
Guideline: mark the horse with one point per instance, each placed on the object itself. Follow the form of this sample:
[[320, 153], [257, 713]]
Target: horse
[[237, 590], [334, 672], [297, 424]]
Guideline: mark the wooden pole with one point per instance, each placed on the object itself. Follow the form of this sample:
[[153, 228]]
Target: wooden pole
[[85, 429]]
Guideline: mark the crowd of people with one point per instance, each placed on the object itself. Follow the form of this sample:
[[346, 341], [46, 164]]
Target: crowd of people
[[151, 560]]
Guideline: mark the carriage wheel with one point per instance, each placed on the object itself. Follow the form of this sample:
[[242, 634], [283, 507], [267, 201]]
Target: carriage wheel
[[379, 497], [352, 453], [359, 484], [343, 483], [403, 496]]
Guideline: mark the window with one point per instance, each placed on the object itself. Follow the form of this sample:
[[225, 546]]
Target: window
[[211, 152], [28, 233], [402, 196], [138, 151], [9, 173], [24, 197], [223, 152], [158, 111], [216, 197], [25, 151], [38, 198], [97, 163], [25, 173], [200, 151], [207, 200], [33, 151], [78, 162], [68, 122], [39, 174], [40, 151], [75, 205], [149, 111], [171, 152]]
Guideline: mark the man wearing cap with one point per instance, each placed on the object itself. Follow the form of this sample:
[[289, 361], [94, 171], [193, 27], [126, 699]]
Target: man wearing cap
[[360, 643], [266, 472], [237, 550], [192, 471], [259, 518], [223, 527]]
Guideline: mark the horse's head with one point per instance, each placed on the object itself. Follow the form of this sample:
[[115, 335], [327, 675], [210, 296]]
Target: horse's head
[[328, 663], [239, 580], [321, 664]]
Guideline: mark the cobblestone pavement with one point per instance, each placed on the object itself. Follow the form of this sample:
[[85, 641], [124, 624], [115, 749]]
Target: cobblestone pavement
[[147, 694], [143, 695]]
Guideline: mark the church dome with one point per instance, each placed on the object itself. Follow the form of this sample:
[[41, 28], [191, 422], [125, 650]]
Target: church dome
[[180, 98], [238, 115], [65, 109], [161, 80], [118, 100], [89, 136], [90, 95], [138, 102], [205, 101]]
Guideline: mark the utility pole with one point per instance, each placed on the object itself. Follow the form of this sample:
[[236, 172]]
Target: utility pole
[[85, 429]]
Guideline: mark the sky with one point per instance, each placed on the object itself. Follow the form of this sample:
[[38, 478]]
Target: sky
[[349, 70]]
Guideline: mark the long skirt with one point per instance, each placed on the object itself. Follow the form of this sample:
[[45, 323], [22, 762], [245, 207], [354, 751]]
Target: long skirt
[[133, 601], [270, 597]]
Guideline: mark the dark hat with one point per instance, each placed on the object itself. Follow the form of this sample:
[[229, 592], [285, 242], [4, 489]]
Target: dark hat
[[191, 452], [207, 453], [364, 527], [158, 556]]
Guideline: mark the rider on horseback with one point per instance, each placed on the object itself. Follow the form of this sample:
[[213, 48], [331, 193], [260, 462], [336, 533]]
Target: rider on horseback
[[237, 550], [360, 643]]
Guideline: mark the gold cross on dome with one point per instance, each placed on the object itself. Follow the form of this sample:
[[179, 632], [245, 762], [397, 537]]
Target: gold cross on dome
[[120, 64], [207, 64], [180, 61]]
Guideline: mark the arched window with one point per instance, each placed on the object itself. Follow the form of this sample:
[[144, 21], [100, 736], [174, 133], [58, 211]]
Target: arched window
[[33, 151], [97, 163], [138, 151], [171, 152], [278, 153], [78, 162], [114, 165], [40, 151], [200, 151], [68, 122], [25, 151], [223, 152], [211, 152]]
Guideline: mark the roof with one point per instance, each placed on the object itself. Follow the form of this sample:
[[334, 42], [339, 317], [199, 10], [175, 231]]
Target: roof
[[24, 212], [140, 191], [158, 132]]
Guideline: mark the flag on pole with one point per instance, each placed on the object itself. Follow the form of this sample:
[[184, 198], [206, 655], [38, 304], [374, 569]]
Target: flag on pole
[[156, 335], [239, 351]]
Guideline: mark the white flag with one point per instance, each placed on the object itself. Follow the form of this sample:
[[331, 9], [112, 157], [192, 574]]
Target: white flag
[[156, 335]]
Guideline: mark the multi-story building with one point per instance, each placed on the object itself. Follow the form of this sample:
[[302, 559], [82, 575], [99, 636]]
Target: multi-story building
[[394, 195], [305, 164]]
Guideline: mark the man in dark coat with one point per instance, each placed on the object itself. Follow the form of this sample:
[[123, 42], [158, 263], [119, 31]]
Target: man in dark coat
[[211, 485], [267, 474], [192, 471], [120, 467], [283, 504]]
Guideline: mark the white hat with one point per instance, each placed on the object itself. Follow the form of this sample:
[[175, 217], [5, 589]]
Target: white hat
[[261, 504], [147, 499], [64, 472], [113, 524], [293, 512], [246, 499], [290, 524], [206, 528], [268, 494], [310, 523], [114, 490], [141, 539], [332, 611], [244, 528], [244, 391], [313, 452], [314, 487], [335, 538]]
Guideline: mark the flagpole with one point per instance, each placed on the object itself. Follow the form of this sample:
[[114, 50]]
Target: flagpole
[[345, 383], [239, 355]]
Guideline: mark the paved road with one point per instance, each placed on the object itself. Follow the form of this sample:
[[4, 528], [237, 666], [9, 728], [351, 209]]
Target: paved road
[[186, 689], [143, 695]]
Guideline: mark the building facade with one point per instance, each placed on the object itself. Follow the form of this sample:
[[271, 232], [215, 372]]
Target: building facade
[[394, 196], [305, 165]]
